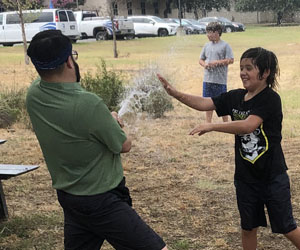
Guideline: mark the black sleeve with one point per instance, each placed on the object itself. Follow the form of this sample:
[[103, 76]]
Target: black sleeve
[[224, 102], [269, 106]]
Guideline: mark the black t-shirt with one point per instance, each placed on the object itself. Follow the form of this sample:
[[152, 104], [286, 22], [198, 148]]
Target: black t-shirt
[[258, 155]]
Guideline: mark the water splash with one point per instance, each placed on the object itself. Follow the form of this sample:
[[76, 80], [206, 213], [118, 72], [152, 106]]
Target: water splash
[[146, 84], [137, 96]]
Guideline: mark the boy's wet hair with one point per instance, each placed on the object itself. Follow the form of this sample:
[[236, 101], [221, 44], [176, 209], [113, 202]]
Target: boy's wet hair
[[214, 26], [264, 60]]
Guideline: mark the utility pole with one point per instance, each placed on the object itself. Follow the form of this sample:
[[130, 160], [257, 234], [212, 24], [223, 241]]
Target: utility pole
[[179, 8], [180, 31]]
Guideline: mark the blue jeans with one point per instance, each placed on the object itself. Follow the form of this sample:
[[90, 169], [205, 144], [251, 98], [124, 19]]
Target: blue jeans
[[213, 89]]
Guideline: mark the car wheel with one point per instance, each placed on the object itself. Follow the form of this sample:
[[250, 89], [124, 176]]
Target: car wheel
[[129, 37], [162, 32], [228, 29], [8, 44], [101, 35]]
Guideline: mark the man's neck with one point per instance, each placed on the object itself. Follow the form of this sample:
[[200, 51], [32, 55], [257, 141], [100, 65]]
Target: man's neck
[[56, 79]]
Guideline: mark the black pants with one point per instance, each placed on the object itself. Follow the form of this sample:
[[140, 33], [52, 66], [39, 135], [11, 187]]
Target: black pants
[[89, 220]]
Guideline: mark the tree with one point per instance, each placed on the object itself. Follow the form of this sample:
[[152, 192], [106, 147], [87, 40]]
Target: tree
[[279, 7], [207, 5], [112, 12], [21, 5], [61, 3], [203, 5], [69, 4]]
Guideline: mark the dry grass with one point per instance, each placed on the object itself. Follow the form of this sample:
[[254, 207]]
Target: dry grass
[[181, 185]]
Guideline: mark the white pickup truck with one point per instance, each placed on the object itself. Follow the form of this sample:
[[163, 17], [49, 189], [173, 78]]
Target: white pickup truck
[[92, 26]]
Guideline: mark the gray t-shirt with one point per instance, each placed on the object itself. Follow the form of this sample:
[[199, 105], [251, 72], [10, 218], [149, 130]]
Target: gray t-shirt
[[212, 52]]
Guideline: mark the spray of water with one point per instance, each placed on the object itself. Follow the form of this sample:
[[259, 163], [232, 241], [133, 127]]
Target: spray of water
[[137, 96], [145, 84]]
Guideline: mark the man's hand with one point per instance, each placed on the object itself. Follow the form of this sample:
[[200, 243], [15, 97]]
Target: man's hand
[[168, 87], [117, 118]]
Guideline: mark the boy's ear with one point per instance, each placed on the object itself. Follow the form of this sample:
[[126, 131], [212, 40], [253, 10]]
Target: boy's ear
[[266, 74]]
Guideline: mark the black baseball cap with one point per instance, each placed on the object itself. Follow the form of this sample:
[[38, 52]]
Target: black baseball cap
[[49, 49]]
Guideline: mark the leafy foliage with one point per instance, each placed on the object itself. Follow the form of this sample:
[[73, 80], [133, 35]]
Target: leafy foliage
[[157, 103], [204, 5], [66, 3], [280, 7], [23, 4], [12, 107], [106, 84], [207, 5], [147, 95], [61, 3], [254, 5]]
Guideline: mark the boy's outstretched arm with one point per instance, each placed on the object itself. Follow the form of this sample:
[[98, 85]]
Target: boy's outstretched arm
[[246, 126], [193, 101]]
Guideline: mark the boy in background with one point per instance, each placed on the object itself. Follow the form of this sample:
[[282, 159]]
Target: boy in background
[[215, 57]]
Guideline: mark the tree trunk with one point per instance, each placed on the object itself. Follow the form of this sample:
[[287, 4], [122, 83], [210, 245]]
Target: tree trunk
[[196, 14], [279, 17], [114, 37], [23, 33]]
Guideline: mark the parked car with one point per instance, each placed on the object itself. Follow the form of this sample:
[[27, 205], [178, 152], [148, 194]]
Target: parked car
[[36, 21], [92, 26], [238, 26], [188, 29], [152, 26], [228, 26], [200, 27]]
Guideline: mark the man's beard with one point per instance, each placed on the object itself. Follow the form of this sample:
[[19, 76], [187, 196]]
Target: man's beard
[[77, 72]]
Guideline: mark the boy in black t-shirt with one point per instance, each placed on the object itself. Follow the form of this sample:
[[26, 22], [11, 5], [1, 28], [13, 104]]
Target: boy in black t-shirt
[[260, 169]]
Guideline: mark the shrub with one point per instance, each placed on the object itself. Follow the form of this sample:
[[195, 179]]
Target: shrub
[[12, 107], [147, 94], [157, 103], [106, 84]]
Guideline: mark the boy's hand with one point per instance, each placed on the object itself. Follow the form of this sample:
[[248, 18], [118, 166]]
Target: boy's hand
[[206, 66], [168, 87], [201, 129], [213, 64]]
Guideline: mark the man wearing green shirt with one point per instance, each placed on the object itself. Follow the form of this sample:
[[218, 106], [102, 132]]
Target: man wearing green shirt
[[81, 141]]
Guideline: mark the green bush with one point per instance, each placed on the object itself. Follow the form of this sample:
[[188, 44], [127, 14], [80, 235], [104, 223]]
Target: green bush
[[106, 84], [157, 103], [146, 95], [12, 107]]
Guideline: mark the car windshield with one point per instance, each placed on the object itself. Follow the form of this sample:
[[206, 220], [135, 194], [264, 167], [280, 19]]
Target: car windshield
[[158, 20], [186, 22], [223, 19], [170, 21], [193, 22], [207, 19]]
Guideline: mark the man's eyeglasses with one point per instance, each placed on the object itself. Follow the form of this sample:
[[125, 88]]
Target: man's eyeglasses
[[75, 54]]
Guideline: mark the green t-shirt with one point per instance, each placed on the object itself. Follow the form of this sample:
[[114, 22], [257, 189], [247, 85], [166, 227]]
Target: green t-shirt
[[79, 138]]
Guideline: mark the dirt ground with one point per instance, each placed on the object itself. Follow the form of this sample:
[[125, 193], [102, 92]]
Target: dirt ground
[[181, 185]]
